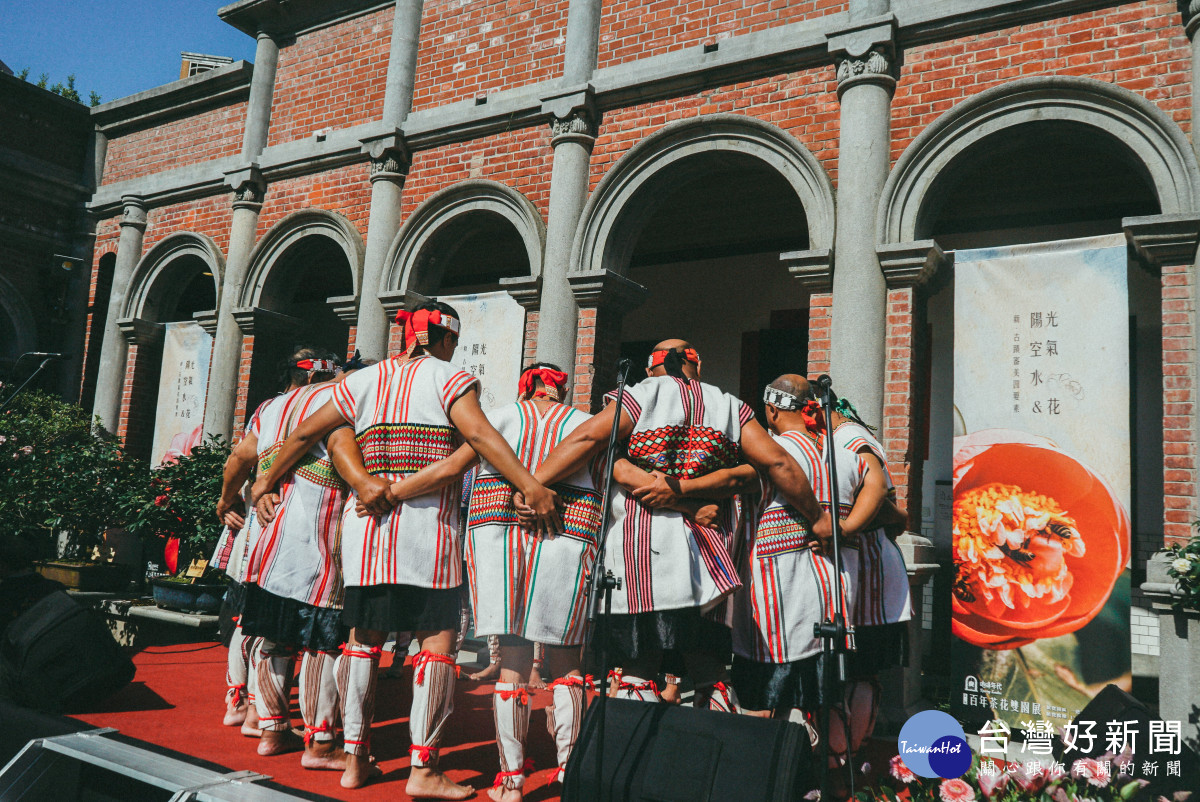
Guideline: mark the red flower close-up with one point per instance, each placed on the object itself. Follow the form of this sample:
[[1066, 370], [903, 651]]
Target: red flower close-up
[[1039, 540]]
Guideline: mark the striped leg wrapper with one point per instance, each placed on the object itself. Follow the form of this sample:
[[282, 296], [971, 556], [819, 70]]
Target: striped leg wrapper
[[511, 707], [638, 689], [565, 716], [357, 668], [318, 695], [236, 667], [717, 696], [275, 668], [433, 702], [253, 655]]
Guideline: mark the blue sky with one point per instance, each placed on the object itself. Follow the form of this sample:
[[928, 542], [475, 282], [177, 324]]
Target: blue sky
[[114, 47]]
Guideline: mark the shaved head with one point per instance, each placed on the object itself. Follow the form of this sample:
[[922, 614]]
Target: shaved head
[[793, 384], [677, 363], [672, 345]]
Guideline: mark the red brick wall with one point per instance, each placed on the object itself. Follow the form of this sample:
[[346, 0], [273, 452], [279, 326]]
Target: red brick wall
[[240, 412], [143, 367], [635, 29], [481, 47], [820, 310], [802, 103], [211, 216], [521, 159], [331, 78], [345, 190], [1140, 46], [597, 342], [212, 134], [1179, 398], [902, 390]]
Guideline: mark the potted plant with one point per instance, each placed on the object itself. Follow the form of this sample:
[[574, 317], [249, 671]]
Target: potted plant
[[176, 514], [1173, 586], [57, 487]]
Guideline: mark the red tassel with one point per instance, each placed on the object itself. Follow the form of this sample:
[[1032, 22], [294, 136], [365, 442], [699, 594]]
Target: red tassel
[[423, 658], [521, 694], [526, 767], [426, 754]]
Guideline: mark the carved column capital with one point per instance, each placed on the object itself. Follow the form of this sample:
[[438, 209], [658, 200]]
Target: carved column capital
[[913, 264], [573, 115], [249, 187], [133, 212], [865, 52], [141, 332], [812, 268], [389, 154]]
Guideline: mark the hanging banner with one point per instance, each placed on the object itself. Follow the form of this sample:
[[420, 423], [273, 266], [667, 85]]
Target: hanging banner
[[179, 422], [1040, 523], [491, 343]]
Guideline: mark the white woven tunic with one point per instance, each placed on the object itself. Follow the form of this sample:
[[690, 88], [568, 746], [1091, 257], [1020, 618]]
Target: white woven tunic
[[234, 545], [684, 429], [883, 590], [297, 555], [522, 584], [787, 587], [400, 414]]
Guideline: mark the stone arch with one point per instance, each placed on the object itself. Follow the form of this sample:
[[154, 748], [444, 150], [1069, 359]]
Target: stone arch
[[407, 266], [288, 232], [17, 316], [629, 187], [152, 288], [1149, 134]]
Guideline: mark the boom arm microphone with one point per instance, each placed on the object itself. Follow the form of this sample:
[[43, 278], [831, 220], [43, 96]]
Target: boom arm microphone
[[41, 355]]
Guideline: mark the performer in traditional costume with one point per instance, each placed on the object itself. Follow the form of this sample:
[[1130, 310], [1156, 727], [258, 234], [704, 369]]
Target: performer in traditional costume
[[789, 580], [882, 604], [403, 567], [673, 570]]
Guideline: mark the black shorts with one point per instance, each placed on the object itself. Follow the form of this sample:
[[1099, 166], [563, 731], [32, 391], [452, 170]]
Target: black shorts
[[877, 648], [402, 608], [638, 635], [291, 623], [777, 686]]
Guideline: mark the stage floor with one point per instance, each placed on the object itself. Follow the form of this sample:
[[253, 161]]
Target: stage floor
[[177, 701]]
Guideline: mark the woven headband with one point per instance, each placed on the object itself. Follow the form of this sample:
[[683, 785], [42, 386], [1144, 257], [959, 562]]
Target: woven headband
[[317, 365], [781, 399], [555, 381], [658, 357], [416, 326]]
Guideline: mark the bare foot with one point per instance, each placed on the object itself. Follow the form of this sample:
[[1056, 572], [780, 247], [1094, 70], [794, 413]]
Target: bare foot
[[323, 756], [359, 771], [427, 783], [250, 726], [670, 694], [279, 742], [536, 683], [502, 794], [235, 714], [491, 672]]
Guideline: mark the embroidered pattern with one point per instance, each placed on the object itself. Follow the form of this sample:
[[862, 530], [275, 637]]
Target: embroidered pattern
[[319, 472], [403, 448], [491, 505], [781, 530], [684, 452]]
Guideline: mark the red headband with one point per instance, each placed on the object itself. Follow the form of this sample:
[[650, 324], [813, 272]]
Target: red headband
[[416, 326], [658, 357], [555, 381], [808, 414], [317, 365]]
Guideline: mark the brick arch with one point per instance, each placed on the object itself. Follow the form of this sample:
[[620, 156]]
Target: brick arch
[[290, 231], [1153, 138], [403, 266], [629, 186], [157, 266]]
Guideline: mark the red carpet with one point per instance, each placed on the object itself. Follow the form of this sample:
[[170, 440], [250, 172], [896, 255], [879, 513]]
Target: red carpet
[[177, 701]]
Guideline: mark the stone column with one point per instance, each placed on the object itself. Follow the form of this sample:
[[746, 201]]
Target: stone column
[[389, 165], [249, 189], [573, 127], [111, 376], [863, 53]]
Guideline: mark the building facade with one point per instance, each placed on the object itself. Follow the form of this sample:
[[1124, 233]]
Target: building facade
[[785, 184]]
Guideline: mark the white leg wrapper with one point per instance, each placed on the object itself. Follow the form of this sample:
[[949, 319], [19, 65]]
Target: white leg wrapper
[[511, 708], [236, 666], [253, 655], [565, 716], [717, 696], [638, 689], [356, 670], [433, 702], [273, 698], [318, 696]]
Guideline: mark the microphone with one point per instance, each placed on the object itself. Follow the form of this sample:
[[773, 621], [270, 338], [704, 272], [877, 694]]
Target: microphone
[[40, 355], [623, 367], [824, 382]]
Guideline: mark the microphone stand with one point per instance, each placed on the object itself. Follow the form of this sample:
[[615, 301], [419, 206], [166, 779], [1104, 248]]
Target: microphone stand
[[833, 634], [601, 582], [49, 358]]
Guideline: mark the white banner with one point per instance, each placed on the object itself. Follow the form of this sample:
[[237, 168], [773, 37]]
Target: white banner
[[1041, 476], [490, 344], [179, 422]]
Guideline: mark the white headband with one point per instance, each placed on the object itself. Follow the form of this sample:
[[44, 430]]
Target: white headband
[[780, 399]]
